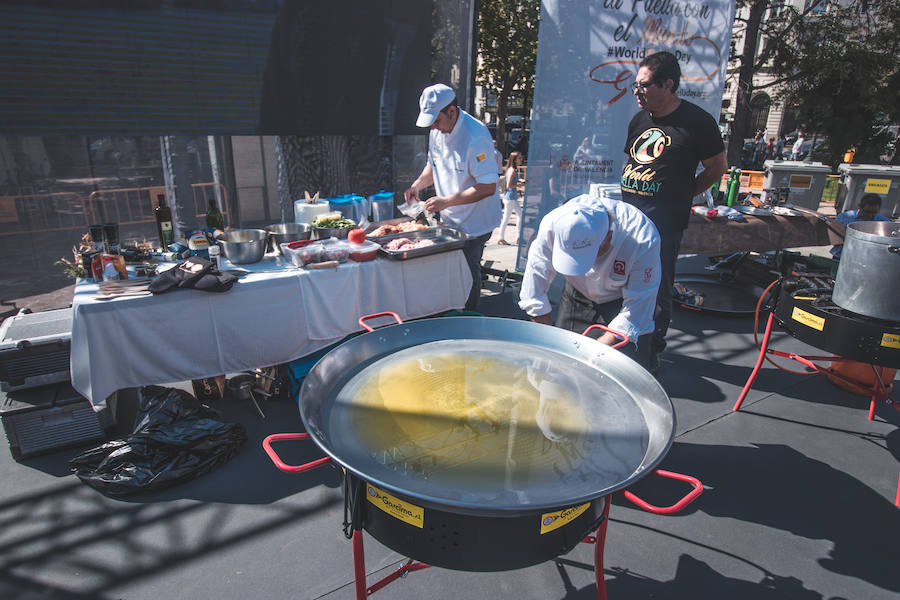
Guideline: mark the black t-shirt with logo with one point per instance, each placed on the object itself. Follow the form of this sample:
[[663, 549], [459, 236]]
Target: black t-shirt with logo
[[661, 162]]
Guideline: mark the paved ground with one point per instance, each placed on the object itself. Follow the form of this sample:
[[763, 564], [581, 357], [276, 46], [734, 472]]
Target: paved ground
[[798, 504]]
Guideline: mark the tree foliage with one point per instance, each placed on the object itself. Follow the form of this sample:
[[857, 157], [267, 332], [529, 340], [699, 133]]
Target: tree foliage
[[844, 75], [834, 63], [507, 45]]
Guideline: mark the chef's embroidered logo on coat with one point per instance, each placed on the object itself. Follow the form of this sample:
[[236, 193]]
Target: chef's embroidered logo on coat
[[480, 157], [648, 274], [619, 267]]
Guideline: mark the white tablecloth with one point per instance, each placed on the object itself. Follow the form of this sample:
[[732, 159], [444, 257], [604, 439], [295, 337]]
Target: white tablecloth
[[269, 317]]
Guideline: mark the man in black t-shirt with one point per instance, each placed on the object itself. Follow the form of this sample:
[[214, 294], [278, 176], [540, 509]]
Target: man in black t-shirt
[[666, 141]]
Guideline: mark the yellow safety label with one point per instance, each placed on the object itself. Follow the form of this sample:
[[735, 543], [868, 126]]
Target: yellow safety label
[[555, 520], [397, 508], [877, 186], [800, 182], [890, 340], [808, 319]]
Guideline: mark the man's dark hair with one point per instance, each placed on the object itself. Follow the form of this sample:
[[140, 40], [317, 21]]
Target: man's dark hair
[[870, 200], [664, 66], [452, 103]]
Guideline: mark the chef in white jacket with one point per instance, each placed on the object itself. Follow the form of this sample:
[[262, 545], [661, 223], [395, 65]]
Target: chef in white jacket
[[608, 252]]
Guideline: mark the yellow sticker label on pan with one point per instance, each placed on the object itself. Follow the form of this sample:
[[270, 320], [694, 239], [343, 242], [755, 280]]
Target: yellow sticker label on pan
[[808, 319], [555, 520], [877, 186], [890, 340], [397, 508]]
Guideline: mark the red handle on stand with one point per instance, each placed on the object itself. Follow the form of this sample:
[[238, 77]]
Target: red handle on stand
[[697, 489], [275, 437], [362, 320], [625, 338]]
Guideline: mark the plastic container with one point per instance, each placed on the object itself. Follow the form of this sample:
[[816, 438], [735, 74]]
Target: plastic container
[[303, 252], [335, 249], [363, 252], [214, 255], [351, 207], [382, 206]]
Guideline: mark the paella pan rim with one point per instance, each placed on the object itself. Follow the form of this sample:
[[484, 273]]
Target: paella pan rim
[[332, 372]]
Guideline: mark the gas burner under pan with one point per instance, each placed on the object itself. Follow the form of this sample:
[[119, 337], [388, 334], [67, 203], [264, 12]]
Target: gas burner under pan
[[806, 311]]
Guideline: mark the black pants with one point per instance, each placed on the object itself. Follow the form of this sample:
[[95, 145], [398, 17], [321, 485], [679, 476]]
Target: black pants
[[577, 312], [662, 316], [473, 251]]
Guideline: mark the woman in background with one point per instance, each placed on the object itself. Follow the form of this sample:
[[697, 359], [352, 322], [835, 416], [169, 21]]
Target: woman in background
[[511, 197]]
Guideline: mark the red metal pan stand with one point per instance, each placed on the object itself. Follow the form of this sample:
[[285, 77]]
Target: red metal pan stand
[[878, 392], [359, 561]]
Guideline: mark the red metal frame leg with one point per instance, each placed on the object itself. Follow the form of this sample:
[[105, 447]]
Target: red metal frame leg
[[599, 543], [359, 569], [359, 565], [879, 389], [759, 360], [897, 498]]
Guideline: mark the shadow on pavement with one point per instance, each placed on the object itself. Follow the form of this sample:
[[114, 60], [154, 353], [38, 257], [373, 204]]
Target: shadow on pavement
[[804, 496], [693, 579]]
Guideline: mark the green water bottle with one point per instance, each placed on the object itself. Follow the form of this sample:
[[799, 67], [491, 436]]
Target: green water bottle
[[714, 190], [731, 190]]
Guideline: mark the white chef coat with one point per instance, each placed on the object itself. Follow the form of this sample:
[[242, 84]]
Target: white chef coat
[[459, 160], [629, 270]]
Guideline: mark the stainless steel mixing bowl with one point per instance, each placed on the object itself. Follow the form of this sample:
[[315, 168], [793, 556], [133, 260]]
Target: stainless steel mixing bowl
[[283, 233], [243, 246]]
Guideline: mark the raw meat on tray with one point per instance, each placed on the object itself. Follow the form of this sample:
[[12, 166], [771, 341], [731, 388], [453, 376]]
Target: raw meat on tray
[[407, 244]]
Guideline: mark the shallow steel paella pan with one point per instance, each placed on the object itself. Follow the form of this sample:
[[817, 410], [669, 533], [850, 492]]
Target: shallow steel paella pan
[[482, 444]]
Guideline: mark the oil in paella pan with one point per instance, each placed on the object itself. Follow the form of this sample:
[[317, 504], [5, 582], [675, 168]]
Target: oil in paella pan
[[480, 417]]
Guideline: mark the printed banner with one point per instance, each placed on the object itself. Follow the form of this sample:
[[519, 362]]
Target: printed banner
[[588, 56]]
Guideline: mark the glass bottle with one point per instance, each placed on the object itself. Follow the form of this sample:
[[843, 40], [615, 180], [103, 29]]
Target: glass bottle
[[214, 218], [164, 222]]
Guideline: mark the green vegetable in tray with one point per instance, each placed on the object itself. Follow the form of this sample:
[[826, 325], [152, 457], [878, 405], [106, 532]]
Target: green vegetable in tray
[[333, 223]]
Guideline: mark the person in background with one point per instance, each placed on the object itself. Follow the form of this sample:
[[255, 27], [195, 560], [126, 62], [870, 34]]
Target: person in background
[[608, 251], [666, 141], [461, 167], [797, 148], [499, 158], [511, 197], [759, 149], [869, 207], [779, 147], [770, 149]]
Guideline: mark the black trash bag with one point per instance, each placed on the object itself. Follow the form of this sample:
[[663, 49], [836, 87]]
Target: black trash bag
[[175, 439]]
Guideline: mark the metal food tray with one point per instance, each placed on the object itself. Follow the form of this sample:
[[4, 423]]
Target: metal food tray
[[445, 239]]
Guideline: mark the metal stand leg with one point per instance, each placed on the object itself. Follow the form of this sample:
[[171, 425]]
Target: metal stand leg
[[359, 569], [897, 497], [599, 542], [359, 565], [759, 360]]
